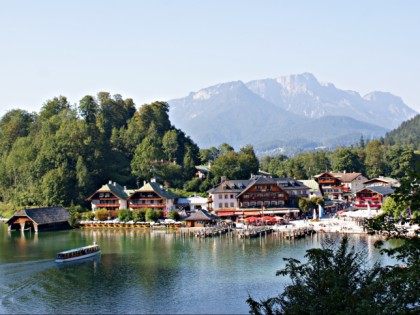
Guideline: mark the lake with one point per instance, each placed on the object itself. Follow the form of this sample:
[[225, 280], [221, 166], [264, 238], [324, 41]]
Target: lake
[[145, 272]]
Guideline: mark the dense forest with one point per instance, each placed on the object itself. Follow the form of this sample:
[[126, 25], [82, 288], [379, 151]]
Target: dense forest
[[62, 154], [408, 134], [372, 159]]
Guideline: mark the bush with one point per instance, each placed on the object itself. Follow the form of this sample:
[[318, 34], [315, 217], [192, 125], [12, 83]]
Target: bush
[[174, 215], [160, 214], [89, 215], [139, 215], [151, 215], [125, 215], [113, 214], [101, 214], [74, 218]]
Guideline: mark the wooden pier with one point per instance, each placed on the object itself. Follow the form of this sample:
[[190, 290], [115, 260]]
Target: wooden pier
[[256, 231], [127, 225], [212, 231]]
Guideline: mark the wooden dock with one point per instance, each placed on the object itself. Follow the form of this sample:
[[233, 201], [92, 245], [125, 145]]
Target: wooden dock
[[126, 225], [255, 231], [212, 231]]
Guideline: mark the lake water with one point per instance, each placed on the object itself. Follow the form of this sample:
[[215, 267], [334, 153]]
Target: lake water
[[144, 272]]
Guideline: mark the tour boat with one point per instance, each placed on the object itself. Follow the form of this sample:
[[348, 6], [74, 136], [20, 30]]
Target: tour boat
[[78, 253]]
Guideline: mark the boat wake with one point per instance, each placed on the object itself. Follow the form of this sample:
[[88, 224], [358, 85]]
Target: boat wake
[[17, 279]]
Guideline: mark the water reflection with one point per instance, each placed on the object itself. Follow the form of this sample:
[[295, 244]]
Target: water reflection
[[144, 272]]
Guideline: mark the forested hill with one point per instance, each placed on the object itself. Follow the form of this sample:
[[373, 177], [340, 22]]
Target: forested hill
[[64, 153], [407, 134]]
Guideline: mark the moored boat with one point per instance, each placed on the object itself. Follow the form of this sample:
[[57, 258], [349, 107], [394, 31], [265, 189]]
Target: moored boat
[[78, 253]]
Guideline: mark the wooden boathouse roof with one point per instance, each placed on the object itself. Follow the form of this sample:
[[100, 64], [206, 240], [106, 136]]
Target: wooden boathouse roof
[[42, 216], [201, 215]]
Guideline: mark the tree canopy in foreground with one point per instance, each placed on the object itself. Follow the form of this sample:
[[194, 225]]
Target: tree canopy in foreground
[[337, 280]]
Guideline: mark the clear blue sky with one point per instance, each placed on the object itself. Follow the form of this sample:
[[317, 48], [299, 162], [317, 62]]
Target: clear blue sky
[[159, 50]]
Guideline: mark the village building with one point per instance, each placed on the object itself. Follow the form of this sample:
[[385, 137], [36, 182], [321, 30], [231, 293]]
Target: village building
[[372, 197], [39, 219], [294, 188], [111, 196], [331, 186], [152, 195], [241, 198], [352, 181], [192, 203], [262, 191], [202, 171], [381, 181], [223, 196], [314, 190]]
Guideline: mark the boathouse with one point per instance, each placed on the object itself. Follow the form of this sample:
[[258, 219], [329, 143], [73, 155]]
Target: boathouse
[[40, 219], [200, 218]]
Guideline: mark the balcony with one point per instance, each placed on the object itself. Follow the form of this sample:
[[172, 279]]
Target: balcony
[[368, 199], [107, 205], [326, 181], [137, 206]]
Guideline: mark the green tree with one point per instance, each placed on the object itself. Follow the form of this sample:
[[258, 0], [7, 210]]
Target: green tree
[[125, 215], [400, 161], [151, 215], [375, 159], [139, 215], [174, 215], [170, 144], [209, 155], [101, 214], [88, 109], [54, 107], [345, 159], [334, 280]]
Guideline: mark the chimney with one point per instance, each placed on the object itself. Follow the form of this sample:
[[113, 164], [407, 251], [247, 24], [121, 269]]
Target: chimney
[[153, 180], [110, 182], [115, 184], [125, 187], [144, 183]]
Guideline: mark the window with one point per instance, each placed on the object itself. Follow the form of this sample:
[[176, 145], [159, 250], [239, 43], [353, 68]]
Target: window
[[246, 196], [253, 204], [259, 203], [281, 195], [245, 204], [226, 197], [231, 196], [274, 203], [226, 205], [232, 205], [220, 205], [266, 203]]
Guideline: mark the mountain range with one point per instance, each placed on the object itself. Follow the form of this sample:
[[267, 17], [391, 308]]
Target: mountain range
[[287, 115]]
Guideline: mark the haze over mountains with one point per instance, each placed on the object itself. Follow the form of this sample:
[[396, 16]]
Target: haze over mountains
[[288, 114]]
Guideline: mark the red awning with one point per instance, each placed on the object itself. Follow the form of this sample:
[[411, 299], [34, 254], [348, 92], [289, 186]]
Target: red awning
[[251, 213], [252, 219], [225, 213], [268, 218]]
